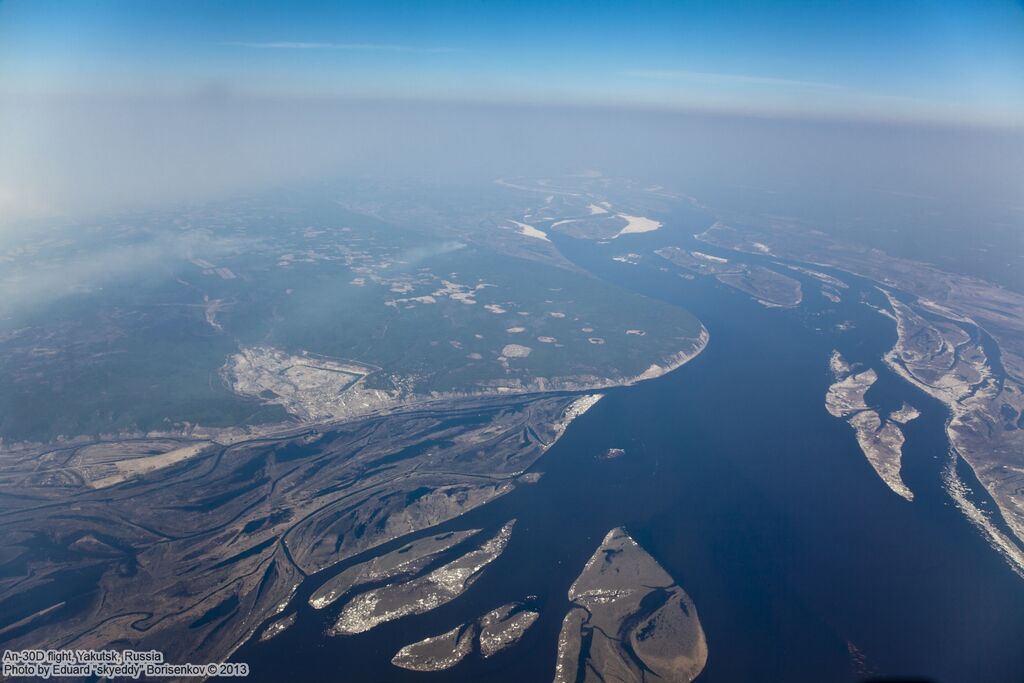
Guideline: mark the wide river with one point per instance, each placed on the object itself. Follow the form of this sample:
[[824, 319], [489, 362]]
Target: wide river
[[803, 565]]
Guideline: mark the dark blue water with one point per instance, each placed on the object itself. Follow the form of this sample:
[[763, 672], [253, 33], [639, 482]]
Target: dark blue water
[[750, 494]]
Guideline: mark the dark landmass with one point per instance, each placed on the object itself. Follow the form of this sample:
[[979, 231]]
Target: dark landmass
[[630, 621], [193, 558]]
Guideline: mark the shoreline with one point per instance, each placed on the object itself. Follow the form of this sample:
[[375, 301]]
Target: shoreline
[[234, 436]]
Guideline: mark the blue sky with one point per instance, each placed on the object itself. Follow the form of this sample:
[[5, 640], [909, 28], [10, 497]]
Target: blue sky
[[933, 61]]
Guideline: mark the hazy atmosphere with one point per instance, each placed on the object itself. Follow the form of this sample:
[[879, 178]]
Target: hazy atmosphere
[[120, 103]]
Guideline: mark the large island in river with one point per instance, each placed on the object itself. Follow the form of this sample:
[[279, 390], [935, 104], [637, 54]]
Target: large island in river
[[629, 621]]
